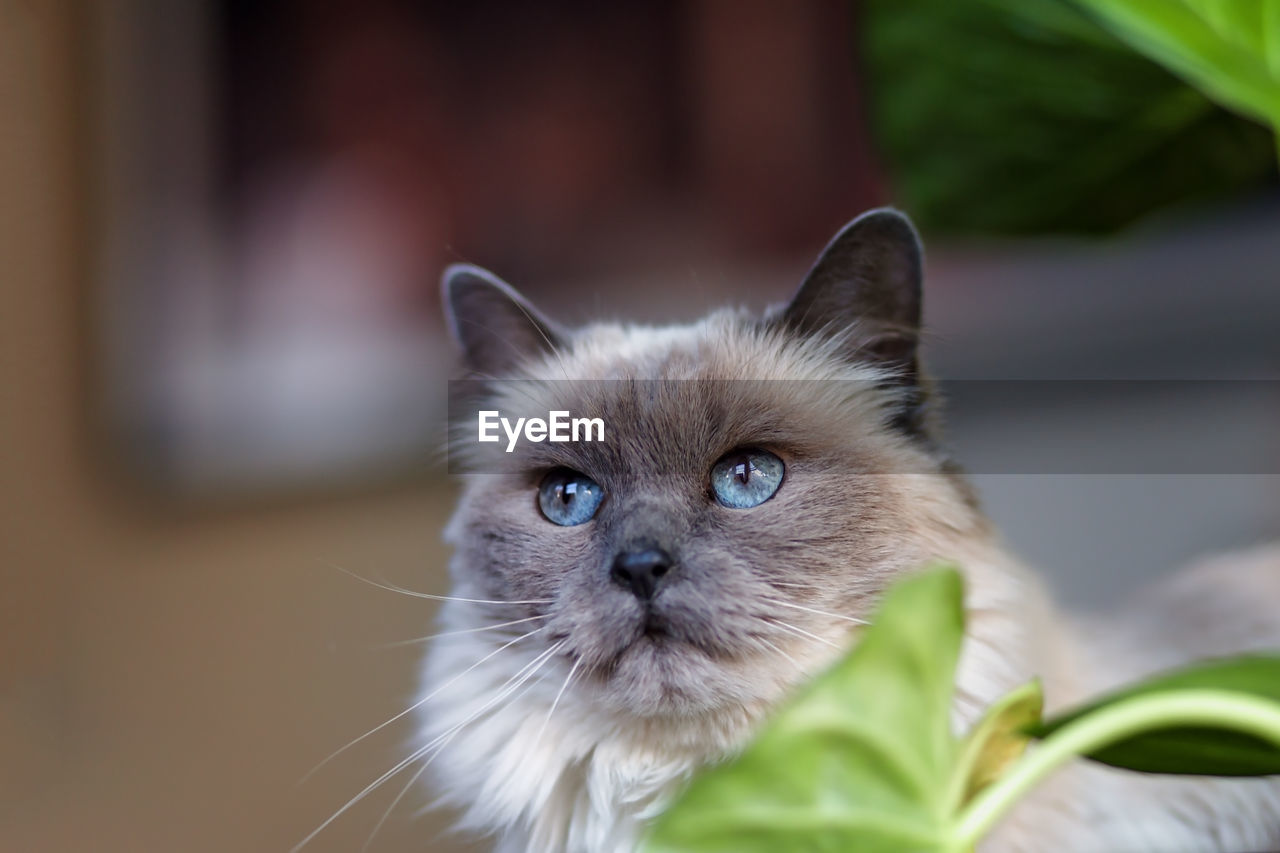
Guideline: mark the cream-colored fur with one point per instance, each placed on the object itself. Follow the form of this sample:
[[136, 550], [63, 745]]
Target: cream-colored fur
[[1222, 606], [586, 779]]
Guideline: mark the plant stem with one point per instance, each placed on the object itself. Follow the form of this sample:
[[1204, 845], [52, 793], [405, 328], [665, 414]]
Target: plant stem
[[1215, 708]]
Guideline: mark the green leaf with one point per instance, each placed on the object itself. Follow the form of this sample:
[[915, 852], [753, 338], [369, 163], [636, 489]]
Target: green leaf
[[1223, 47], [1030, 116], [864, 758], [998, 740], [861, 760], [1197, 750]]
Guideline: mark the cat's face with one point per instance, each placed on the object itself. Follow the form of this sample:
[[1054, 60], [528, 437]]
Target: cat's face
[[760, 480]]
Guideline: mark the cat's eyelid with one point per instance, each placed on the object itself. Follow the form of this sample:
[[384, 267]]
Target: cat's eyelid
[[538, 468], [535, 475], [783, 451]]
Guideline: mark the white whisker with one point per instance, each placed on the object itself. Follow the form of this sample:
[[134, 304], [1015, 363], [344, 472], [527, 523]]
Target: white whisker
[[438, 748], [572, 670], [779, 650], [400, 796], [855, 620], [511, 685], [442, 634], [418, 704], [801, 632], [416, 754], [415, 594], [535, 664]]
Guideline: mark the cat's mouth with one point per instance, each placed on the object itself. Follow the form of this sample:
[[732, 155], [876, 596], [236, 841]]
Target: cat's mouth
[[653, 626], [659, 668], [654, 657], [650, 635], [656, 636]]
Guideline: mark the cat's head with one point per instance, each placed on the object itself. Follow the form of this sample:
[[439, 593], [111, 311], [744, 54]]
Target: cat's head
[[760, 480]]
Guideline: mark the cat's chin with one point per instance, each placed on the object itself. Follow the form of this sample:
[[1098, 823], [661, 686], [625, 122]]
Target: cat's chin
[[659, 675]]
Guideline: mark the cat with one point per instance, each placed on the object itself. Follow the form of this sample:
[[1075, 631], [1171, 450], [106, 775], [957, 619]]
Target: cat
[[764, 478]]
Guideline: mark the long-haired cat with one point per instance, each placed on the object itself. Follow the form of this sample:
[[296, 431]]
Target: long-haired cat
[[762, 480]]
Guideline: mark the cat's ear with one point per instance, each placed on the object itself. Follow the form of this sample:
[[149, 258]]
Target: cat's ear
[[867, 278], [495, 326]]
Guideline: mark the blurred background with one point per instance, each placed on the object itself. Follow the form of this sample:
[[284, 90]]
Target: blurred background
[[221, 230]]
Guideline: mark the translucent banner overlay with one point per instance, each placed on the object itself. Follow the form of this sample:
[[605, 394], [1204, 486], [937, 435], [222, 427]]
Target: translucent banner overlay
[[1066, 427]]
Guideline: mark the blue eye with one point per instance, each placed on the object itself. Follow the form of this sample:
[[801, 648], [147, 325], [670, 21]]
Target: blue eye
[[568, 498], [746, 478]]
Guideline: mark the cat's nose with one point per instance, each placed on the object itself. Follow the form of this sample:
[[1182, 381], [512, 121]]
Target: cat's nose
[[641, 571]]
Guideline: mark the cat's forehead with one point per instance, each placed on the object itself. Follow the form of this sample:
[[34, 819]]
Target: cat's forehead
[[727, 345], [669, 396]]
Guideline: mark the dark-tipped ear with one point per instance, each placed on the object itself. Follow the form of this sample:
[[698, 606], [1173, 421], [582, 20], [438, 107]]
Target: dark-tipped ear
[[495, 326], [868, 277]]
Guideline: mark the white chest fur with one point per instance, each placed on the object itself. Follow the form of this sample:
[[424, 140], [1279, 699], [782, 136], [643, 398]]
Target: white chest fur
[[537, 766]]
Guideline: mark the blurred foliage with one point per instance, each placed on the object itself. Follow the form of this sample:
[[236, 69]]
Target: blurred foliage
[[1026, 116], [865, 758], [1229, 49]]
